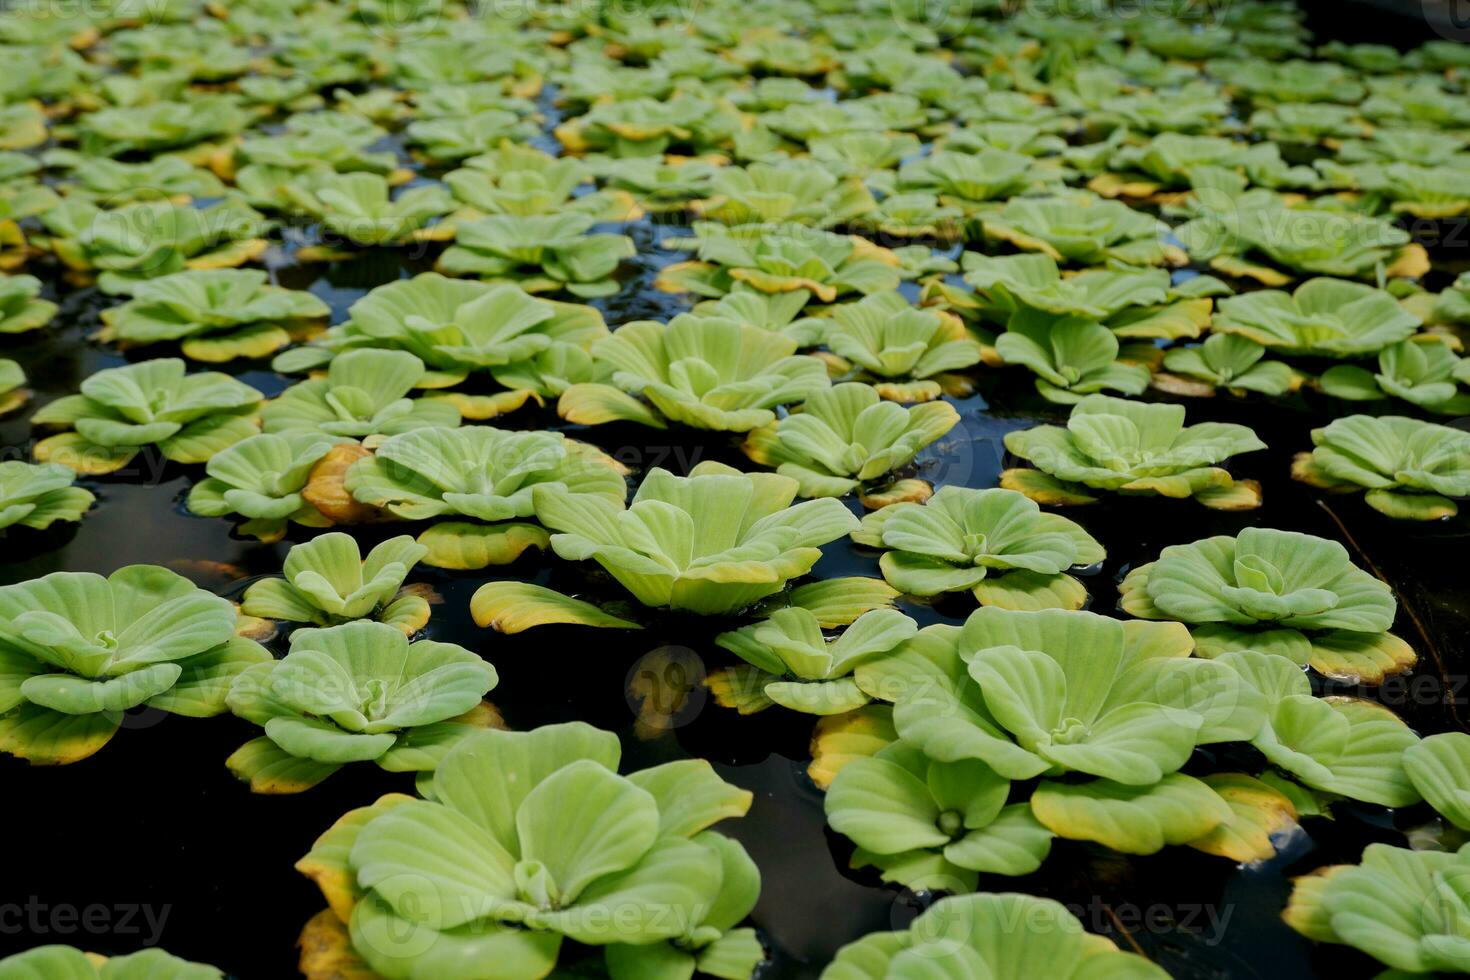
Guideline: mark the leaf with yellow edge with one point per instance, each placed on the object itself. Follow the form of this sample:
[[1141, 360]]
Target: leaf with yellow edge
[[230, 256], [1240, 495], [1305, 470], [1029, 591], [839, 739], [741, 687], [839, 601], [1412, 262], [1360, 658], [44, 737], [12, 400], [327, 863], [480, 407], [513, 607], [1185, 319], [327, 953], [596, 404], [1131, 819], [71, 449], [1305, 911], [255, 341], [325, 491], [908, 392], [464, 546], [1122, 185], [271, 770], [1044, 488], [1259, 813], [1241, 269], [1175, 384], [913, 491]]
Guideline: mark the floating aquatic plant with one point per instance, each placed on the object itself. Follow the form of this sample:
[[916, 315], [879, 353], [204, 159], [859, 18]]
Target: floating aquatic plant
[[328, 582], [1410, 468]]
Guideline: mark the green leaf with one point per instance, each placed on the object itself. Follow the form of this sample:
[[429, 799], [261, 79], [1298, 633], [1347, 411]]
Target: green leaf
[[1439, 768], [513, 607], [1131, 819]]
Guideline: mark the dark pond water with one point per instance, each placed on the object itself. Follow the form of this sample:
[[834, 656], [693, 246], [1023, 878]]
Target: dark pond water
[[155, 839]]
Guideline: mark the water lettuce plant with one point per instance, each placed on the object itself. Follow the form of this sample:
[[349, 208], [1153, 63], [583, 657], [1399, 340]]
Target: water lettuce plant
[[793, 664], [797, 191], [1233, 362], [483, 474], [79, 650], [631, 868], [328, 582], [1405, 908], [1072, 357], [21, 307], [72, 964], [539, 253], [971, 182], [930, 824], [708, 372], [1132, 448], [123, 410], [1422, 371], [357, 692], [457, 327], [1082, 229], [996, 543], [1320, 318], [899, 347], [782, 259], [1284, 592], [979, 935], [37, 495], [263, 479], [361, 209], [665, 549], [216, 314], [847, 436], [364, 395], [1410, 468]]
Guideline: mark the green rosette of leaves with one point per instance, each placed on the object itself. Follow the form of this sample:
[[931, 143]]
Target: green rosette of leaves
[[530, 839], [975, 183], [900, 347], [1072, 357], [1132, 448], [119, 182], [1232, 362], [328, 582], [263, 479], [361, 209], [797, 191], [846, 437], [707, 372], [996, 934], [1081, 229], [445, 141], [928, 824], [670, 550], [21, 307], [216, 314], [1422, 371], [458, 327], [1410, 468], [137, 242], [1337, 746], [484, 475], [69, 963], [161, 125], [1060, 694], [995, 543], [1320, 318], [798, 667], [781, 259], [358, 692], [123, 410], [776, 312], [1280, 592], [37, 495], [1407, 909], [79, 650], [523, 180], [539, 253], [363, 396]]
